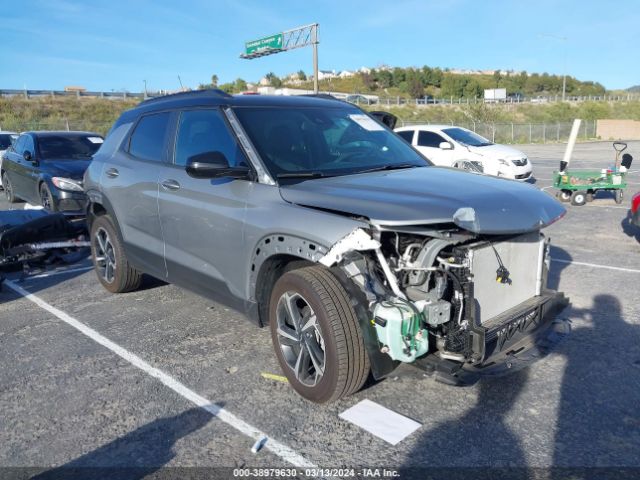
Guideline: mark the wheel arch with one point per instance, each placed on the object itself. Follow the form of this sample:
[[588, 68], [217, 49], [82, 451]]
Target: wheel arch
[[274, 255]]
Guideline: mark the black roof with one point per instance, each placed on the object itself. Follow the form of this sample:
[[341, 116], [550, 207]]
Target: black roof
[[62, 133], [216, 97]]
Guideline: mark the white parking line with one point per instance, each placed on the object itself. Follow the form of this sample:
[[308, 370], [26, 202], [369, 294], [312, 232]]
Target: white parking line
[[59, 272], [595, 265], [243, 427]]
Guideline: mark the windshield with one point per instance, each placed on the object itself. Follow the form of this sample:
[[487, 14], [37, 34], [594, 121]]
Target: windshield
[[6, 139], [324, 141], [466, 137], [68, 147]]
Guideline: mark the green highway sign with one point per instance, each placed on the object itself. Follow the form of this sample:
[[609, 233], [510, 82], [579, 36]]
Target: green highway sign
[[271, 42]]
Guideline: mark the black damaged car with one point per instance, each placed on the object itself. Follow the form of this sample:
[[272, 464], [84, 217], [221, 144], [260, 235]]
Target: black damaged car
[[46, 168]]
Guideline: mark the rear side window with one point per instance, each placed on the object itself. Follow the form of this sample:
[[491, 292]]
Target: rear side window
[[205, 131], [429, 139], [148, 139], [5, 141], [407, 135]]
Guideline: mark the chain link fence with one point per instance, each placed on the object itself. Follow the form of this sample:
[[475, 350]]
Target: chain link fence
[[496, 132], [525, 132]]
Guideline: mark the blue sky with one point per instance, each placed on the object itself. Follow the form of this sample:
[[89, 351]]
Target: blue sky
[[117, 44]]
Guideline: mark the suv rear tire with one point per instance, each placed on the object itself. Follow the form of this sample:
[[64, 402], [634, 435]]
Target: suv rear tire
[[316, 335], [109, 260]]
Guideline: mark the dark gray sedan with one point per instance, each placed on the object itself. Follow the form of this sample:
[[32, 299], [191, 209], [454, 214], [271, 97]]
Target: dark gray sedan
[[46, 168]]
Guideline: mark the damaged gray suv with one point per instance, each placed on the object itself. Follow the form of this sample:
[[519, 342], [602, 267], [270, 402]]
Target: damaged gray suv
[[312, 217]]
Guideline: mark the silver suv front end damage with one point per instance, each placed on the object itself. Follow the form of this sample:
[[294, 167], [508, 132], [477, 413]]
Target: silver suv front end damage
[[453, 302]]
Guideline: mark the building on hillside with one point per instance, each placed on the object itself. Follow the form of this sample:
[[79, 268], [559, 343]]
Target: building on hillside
[[346, 73]]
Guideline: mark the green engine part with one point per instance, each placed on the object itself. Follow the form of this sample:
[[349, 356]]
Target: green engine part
[[399, 329]]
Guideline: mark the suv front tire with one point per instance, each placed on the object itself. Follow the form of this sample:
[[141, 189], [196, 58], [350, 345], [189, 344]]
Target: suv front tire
[[316, 335], [109, 260]]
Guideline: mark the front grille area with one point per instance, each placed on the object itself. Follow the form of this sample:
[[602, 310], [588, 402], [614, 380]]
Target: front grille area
[[523, 176]]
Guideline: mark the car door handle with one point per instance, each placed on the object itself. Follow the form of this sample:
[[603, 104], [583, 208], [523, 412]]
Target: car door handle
[[170, 184], [112, 173]]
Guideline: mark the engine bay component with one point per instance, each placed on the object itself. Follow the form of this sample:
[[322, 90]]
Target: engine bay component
[[435, 313], [399, 328]]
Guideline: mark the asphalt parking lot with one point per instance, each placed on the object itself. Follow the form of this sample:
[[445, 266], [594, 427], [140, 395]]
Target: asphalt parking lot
[[68, 399]]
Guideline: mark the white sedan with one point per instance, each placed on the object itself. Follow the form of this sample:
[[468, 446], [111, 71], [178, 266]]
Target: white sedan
[[450, 146], [6, 140]]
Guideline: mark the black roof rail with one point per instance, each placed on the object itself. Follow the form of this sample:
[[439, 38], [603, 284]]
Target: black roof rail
[[209, 92]]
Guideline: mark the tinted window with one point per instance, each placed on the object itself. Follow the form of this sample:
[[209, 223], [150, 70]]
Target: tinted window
[[407, 135], [326, 141], [5, 140], [19, 148], [204, 131], [147, 141], [429, 139], [68, 146]]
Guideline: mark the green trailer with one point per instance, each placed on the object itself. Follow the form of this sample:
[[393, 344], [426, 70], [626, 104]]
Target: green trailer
[[579, 186]]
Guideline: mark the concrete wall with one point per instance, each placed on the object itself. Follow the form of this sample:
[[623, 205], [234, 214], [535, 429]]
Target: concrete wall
[[618, 129]]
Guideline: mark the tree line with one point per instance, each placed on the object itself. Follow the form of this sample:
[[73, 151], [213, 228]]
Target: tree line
[[433, 82]]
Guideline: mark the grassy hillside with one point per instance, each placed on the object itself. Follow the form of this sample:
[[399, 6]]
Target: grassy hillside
[[516, 113], [22, 114]]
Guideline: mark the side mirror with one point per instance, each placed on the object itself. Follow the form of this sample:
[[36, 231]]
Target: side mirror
[[214, 165], [27, 155], [445, 146]]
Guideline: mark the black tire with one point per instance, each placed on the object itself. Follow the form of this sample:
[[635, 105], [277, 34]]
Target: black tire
[[106, 249], [46, 199], [619, 194], [345, 363], [578, 198], [8, 188], [564, 195]]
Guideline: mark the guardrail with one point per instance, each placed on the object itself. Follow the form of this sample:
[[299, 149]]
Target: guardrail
[[390, 101], [76, 93]]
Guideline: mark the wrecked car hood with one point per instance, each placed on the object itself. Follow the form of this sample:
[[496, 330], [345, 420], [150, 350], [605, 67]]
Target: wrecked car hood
[[429, 195]]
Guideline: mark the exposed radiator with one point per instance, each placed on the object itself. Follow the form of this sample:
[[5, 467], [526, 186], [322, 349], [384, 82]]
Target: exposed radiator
[[522, 256]]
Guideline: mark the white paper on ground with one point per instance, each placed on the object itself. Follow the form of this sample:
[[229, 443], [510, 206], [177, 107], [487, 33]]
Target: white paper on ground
[[380, 421]]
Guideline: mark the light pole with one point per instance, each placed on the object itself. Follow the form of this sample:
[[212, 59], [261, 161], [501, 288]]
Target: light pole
[[564, 74]]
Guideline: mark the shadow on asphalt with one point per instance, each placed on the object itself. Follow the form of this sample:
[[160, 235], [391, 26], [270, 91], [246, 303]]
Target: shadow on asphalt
[[136, 455], [629, 229], [597, 428]]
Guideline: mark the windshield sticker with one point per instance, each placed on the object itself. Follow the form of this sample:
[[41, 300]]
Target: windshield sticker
[[95, 139], [366, 122]]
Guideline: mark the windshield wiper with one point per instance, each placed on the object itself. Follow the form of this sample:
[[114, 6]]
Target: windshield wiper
[[392, 166], [301, 175]]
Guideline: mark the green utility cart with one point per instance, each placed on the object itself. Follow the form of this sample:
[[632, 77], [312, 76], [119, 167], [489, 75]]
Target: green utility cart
[[580, 185]]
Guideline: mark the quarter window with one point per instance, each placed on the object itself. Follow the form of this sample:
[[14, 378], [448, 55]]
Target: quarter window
[[148, 139], [205, 131], [429, 139]]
